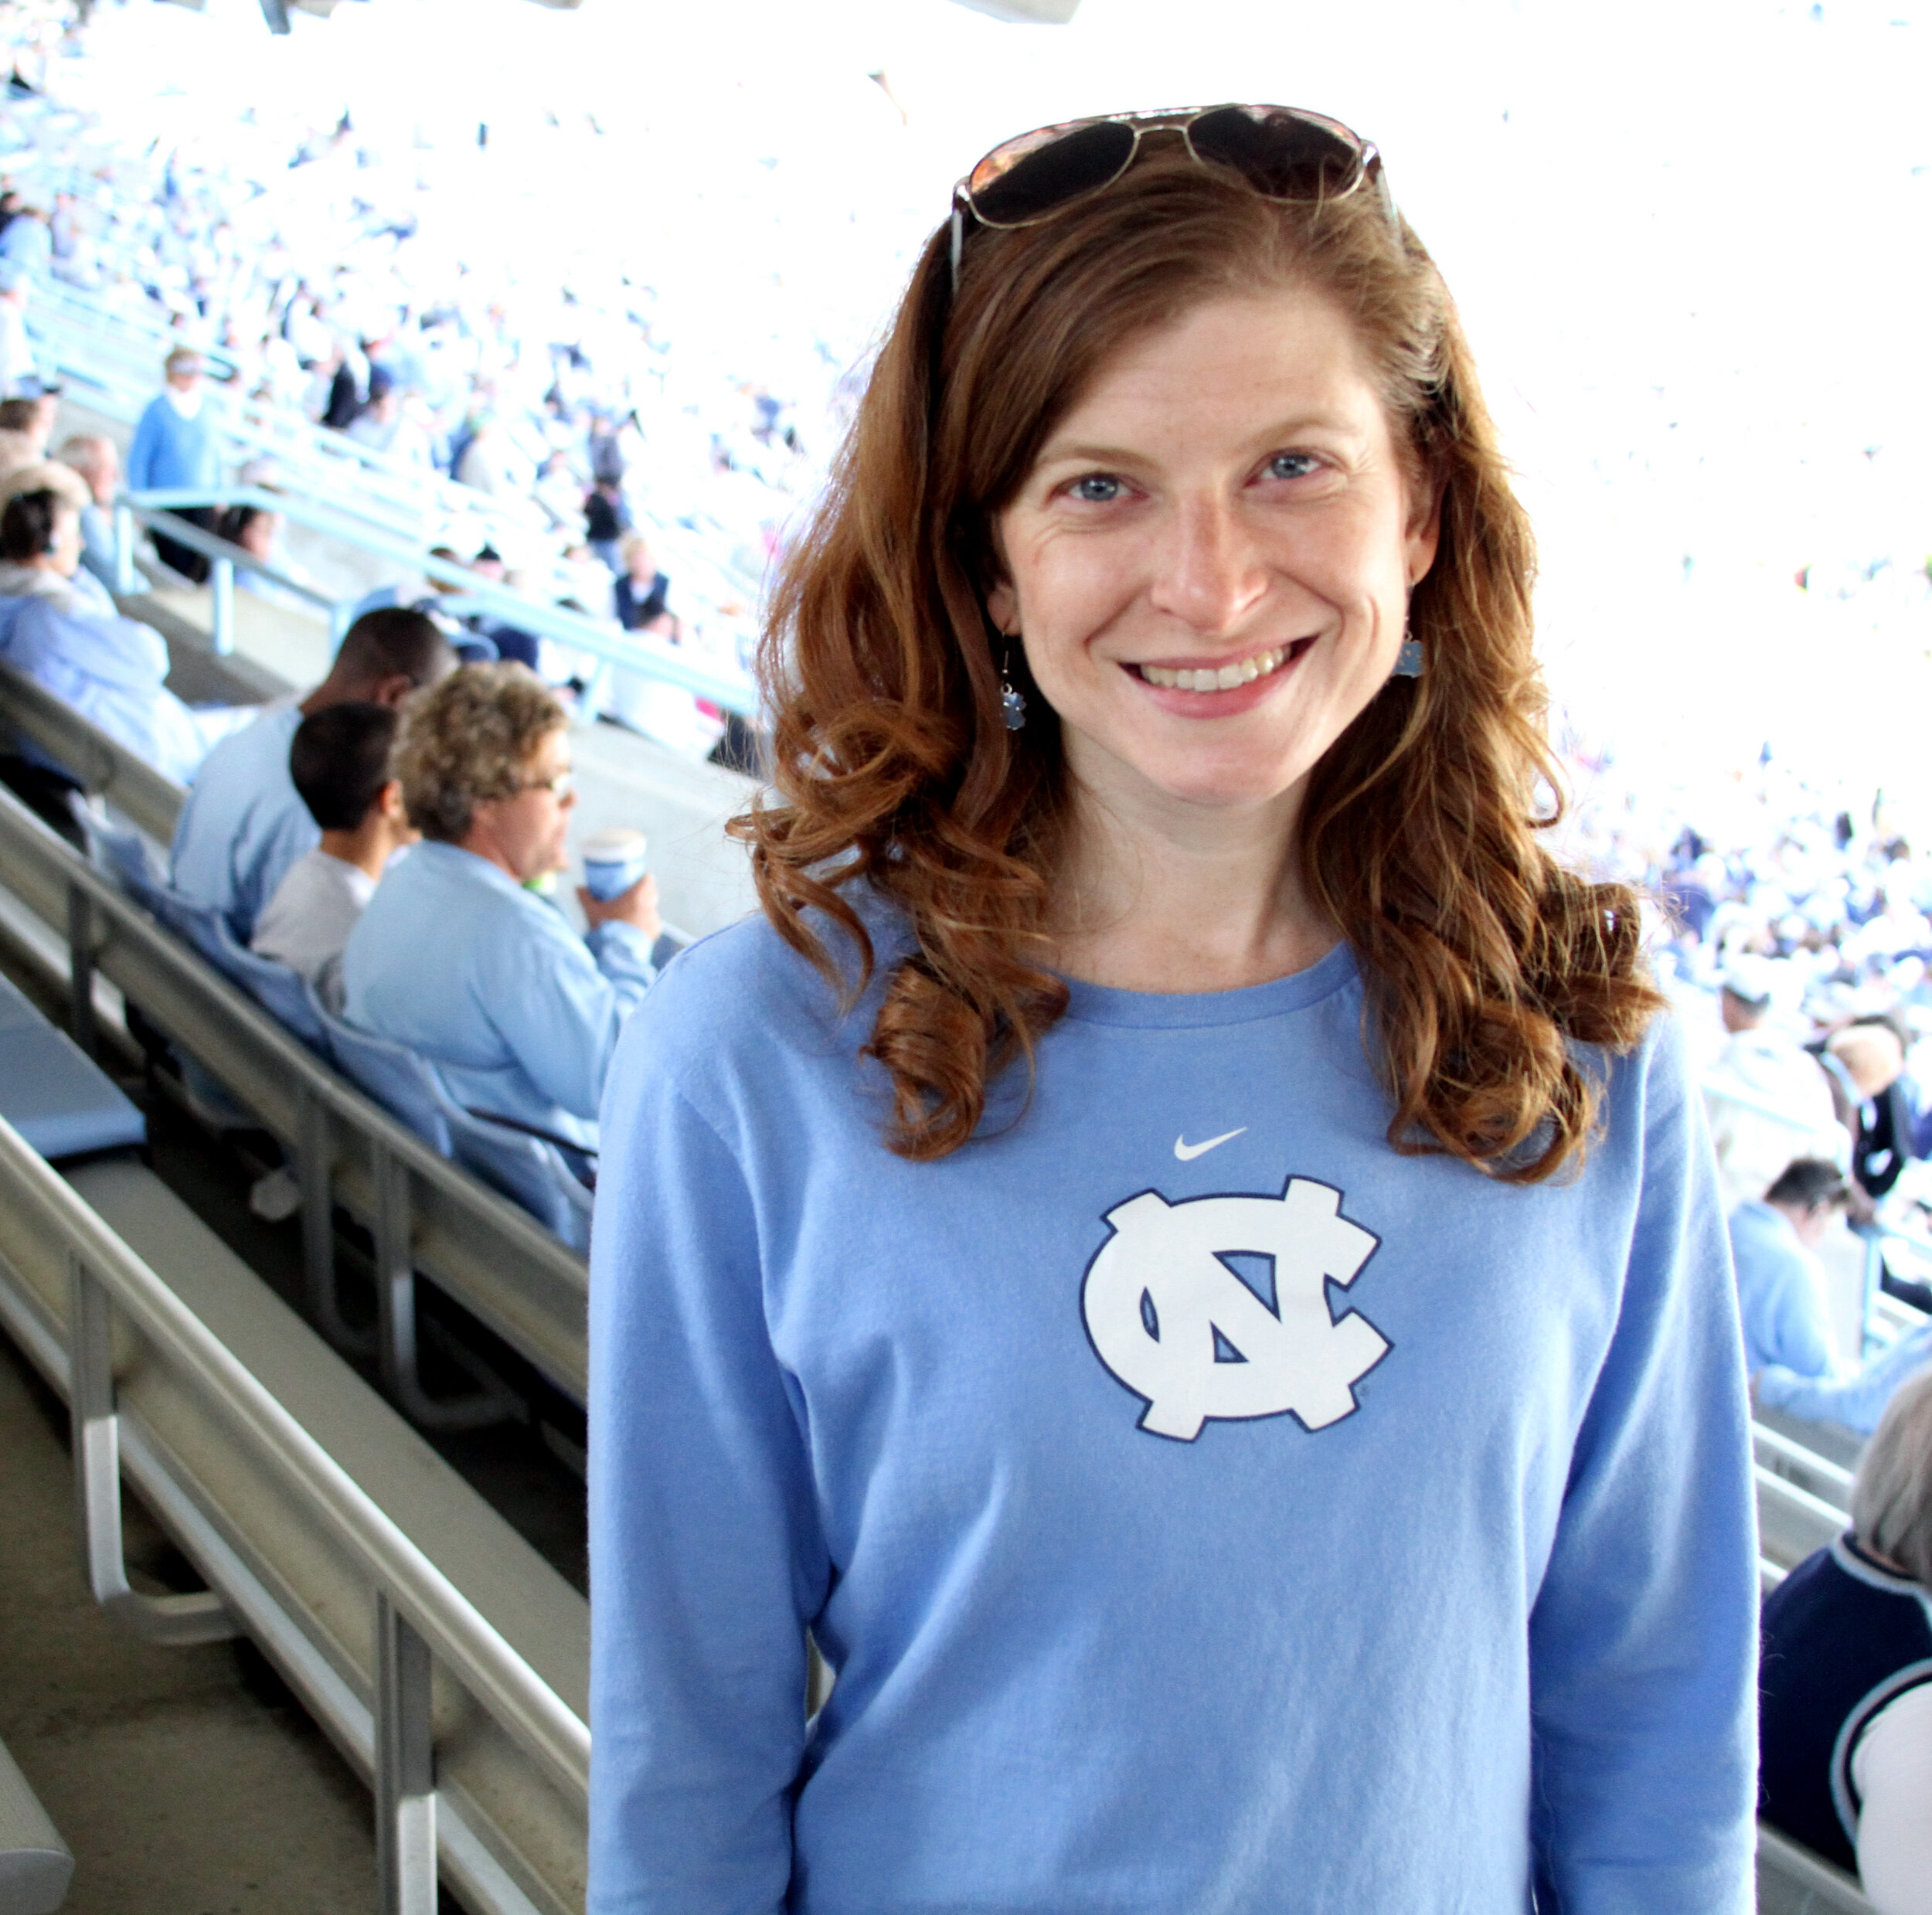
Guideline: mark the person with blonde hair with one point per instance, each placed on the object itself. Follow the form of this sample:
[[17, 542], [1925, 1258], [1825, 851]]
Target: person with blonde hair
[[1846, 1679], [1177, 1247], [456, 956]]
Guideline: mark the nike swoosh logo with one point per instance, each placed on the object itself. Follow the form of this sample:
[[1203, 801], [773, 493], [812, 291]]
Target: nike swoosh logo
[[1187, 1152]]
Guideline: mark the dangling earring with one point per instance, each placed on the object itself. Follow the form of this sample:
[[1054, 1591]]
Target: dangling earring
[[1409, 660], [1013, 705]]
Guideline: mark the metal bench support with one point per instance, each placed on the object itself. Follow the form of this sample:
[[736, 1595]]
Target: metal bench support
[[399, 1339], [405, 1766], [81, 971], [176, 1620]]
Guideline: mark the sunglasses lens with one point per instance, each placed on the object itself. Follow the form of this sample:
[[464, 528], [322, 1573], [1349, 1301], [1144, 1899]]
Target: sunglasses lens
[[1028, 178], [1282, 155]]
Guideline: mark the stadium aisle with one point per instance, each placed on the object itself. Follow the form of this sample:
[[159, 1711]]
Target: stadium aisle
[[186, 1781]]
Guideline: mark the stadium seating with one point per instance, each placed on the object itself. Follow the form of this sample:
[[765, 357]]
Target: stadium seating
[[376, 1581]]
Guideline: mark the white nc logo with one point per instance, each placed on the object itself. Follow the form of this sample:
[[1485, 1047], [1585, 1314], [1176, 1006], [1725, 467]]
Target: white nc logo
[[1177, 1326]]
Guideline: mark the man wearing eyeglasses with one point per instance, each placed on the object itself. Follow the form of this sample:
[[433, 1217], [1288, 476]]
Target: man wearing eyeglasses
[[457, 956]]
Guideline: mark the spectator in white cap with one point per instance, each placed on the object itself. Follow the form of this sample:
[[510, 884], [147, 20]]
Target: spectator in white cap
[[1768, 1100]]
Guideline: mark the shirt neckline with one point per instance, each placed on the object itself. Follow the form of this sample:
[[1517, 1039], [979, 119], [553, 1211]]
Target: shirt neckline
[[1151, 1010]]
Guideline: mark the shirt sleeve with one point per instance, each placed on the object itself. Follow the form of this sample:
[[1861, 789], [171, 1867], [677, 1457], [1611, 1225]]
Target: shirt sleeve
[[1802, 1341], [1892, 1770], [141, 453], [1856, 1401], [706, 1557], [561, 1008], [1643, 1639]]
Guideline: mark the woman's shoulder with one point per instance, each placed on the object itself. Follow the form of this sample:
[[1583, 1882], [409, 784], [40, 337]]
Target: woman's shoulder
[[745, 983], [742, 1004]]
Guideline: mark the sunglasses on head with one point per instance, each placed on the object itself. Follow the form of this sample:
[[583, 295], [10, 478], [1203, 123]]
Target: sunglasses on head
[[1282, 152]]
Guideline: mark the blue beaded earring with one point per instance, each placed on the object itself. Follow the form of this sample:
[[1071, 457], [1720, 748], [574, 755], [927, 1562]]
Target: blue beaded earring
[[1409, 660], [1013, 705]]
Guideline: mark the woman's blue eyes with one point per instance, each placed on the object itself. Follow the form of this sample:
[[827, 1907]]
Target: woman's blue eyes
[[1102, 488], [1286, 465]]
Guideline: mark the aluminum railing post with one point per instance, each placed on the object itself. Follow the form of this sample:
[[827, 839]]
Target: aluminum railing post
[[398, 1329], [125, 579], [595, 693], [404, 1765], [314, 1171], [81, 971], [179, 1620], [222, 581], [395, 1276]]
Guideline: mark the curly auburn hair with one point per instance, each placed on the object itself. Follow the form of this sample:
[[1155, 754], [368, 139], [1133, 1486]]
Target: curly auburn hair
[[469, 739], [1482, 958]]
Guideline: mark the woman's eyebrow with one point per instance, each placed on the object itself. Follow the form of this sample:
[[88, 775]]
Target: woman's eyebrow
[[1083, 452]]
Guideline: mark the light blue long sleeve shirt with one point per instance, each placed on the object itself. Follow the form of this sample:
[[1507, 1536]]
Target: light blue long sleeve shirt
[[522, 1015], [244, 824], [1779, 1294], [109, 669], [1856, 1398], [1204, 1507], [1788, 1345], [29, 244], [169, 450]]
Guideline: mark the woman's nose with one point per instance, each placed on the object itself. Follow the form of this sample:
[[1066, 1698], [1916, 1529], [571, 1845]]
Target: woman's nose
[[1207, 571]]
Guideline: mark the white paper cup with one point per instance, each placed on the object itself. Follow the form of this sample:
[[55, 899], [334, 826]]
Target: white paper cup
[[612, 862]]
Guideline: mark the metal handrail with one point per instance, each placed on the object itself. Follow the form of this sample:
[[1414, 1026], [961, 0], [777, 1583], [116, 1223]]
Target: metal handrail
[[123, 370], [104, 766], [469, 1645], [226, 558], [642, 652], [363, 504], [481, 1248], [1788, 1451]]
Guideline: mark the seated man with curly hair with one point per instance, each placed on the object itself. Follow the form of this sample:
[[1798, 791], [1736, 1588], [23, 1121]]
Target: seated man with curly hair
[[455, 956]]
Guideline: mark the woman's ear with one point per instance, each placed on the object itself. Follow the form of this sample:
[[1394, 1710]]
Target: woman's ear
[[1420, 541], [1002, 607]]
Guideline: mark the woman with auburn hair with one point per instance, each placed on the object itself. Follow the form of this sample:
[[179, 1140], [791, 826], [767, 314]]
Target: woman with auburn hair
[[1177, 1247]]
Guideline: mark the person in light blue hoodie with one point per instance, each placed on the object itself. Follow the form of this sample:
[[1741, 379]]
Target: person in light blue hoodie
[[1180, 1248], [457, 956]]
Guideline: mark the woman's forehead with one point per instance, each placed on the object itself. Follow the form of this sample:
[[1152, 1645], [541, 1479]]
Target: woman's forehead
[[1293, 353]]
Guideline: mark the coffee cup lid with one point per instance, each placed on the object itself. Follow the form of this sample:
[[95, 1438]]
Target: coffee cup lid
[[609, 846]]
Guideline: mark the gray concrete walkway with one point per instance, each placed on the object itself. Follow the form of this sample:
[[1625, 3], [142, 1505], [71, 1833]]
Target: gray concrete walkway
[[186, 1781]]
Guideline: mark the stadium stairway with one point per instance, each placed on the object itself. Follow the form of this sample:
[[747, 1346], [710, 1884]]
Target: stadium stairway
[[446, 1661]]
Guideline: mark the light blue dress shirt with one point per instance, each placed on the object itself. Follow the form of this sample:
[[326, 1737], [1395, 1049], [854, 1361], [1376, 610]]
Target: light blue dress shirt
[[456, 959], [1779, 1294], [244, 824], [1787, 1337], [109, 669]]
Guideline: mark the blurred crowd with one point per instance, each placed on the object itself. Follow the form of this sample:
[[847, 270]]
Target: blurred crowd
[[622, 485]]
